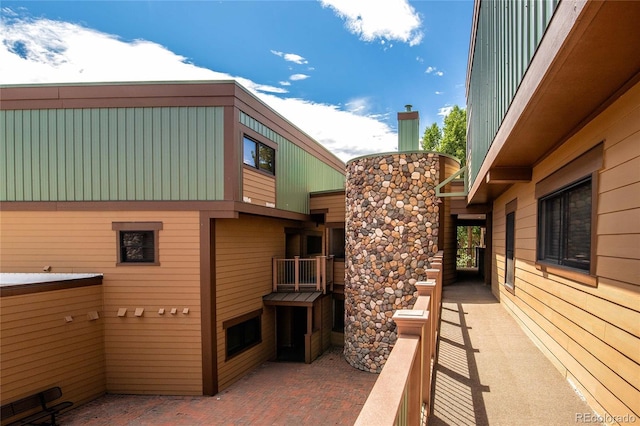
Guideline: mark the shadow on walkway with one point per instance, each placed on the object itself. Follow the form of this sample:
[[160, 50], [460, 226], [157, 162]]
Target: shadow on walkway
[[489, 372]]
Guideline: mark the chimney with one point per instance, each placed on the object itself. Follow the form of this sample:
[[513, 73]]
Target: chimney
[[408, 124]]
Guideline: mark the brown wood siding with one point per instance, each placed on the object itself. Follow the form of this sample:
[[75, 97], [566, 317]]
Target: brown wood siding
[[40, 349], [258, 187], [334, 203], [447, 237], [152, 354], [244, 249], [338, 272], [592, 334]]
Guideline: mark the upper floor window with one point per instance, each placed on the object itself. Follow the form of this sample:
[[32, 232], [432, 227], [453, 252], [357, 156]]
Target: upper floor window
[[564, 226], [260, 156], [137, 242]]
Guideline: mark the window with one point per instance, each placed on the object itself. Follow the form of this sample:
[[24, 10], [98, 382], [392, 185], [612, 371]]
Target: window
[[336, 242], [259, 156], [564, 226], [137, 242], [510, 242], [243, 333]]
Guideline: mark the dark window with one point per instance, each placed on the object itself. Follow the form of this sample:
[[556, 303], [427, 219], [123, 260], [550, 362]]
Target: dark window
[[510, 269], [259, 156], [338, 315], [336, 242], [243, 332], [564, 226], [314, 244], [137, 242]]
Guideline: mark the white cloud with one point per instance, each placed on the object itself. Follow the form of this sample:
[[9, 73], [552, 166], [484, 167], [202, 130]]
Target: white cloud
[[434, 70], [291, 57], [48, 51], [445, 110], [284, 83], [297, 77], [358, 106], [437, 92], [379, 19]]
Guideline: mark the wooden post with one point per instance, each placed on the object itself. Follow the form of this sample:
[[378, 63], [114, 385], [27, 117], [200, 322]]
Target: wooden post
[[426, 289], [275, 275], [413, 323], [296, 272], [318, 272]]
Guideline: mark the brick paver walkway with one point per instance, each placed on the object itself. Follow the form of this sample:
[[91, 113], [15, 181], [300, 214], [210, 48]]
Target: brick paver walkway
[[327, 392]]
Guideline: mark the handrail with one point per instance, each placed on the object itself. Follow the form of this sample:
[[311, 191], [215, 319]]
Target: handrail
[[303, 274], [402, 392]]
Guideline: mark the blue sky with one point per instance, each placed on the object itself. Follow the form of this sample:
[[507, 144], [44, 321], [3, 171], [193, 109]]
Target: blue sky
[[338, 69]]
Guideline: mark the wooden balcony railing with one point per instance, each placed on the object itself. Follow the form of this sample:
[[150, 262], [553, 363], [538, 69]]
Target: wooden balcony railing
[[312, 274], [402, 393]]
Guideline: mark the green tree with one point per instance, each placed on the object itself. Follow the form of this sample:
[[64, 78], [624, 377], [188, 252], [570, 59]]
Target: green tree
[[432, 138], [452, 139]]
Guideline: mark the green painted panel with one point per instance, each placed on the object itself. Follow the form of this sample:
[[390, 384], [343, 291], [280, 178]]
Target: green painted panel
[[112, 154], [508, 34]]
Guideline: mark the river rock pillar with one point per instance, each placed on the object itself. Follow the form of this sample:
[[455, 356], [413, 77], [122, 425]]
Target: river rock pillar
[[392, 224]]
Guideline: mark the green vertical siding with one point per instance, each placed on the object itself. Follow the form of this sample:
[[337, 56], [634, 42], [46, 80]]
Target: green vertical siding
[[408, 135], [297, 172], [115, 154], [508, 34]]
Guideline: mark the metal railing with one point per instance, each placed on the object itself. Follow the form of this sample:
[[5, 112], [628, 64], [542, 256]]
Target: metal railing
[[298, 274], [402, 393]]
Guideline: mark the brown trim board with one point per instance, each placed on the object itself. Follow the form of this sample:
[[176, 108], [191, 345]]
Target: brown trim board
[[21, 289], [208, 305]]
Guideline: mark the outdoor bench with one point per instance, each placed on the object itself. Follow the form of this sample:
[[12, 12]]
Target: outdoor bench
[[37, 400]]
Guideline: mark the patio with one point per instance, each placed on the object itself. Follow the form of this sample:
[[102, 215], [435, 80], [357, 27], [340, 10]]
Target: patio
[[488, 373]]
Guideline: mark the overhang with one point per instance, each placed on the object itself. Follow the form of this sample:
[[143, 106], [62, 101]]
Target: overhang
[[300, 298], [586, 60]]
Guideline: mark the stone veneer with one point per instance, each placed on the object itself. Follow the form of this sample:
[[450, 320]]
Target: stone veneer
[[391, 232]]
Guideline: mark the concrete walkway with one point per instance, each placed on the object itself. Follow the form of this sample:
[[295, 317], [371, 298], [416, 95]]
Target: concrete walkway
[[490, 373]]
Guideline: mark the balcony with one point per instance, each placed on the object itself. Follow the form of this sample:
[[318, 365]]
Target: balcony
[[303, 274]]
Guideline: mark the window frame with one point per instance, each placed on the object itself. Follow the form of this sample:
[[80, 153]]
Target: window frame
[[256, 164], [580, 169], [154, 227], [242, 319]]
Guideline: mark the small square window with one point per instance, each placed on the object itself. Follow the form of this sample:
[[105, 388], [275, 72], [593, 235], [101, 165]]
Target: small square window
[[137, 246], [137, 242]]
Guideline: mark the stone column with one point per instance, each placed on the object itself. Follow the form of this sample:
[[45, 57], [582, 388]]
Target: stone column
[[391, 233]]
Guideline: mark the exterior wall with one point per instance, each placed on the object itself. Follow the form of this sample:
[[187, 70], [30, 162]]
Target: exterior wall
[[40, 349], [258, 187], [98, 154], [591, 334], [154, 354], [333, 202], [506, 38], [244, 249], [298, 171]]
